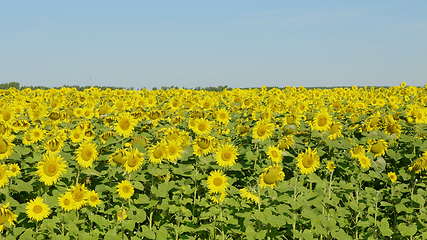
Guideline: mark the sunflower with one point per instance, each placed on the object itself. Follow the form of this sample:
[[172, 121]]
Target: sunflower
[[7, 217], [54, 145], [275, 154], [420, 164], [14, 170], [392, 176], [364, 161], [121, 215], [93, 198], [286, 142], [322, 121], [222, 116], [203, 145], [37, 134], [79, 195], [158, 152], [226, 155], [271, 176], [174, 151], [125, 189], [308, 161], [125, 124], [37, 210], [263, 130], [335, 131], [134, 160], [202, 126], [86, 154], [330, 165], [66, 201], [218, 197], [217, 182], [6, 146], [357, 151], [51, 168], [377, 147], [246, 194], [118, 157], [4, 175], [77, 135]]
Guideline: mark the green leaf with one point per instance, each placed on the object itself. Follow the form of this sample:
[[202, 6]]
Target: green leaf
[[148, 233], [419, 199], [385, 228], [407, 230]]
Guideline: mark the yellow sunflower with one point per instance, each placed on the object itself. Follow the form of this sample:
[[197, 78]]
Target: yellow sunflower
[[4, 175], [286, 142], [125, 124], [275, 154], [308, 161], [125, 189], [271, 176], [14, 170], [322, 121], [226, 155], [392, 176], [222, 116], [217, 182], [121, 215], [377, 147], [54, 145], [263, 130], [79, 195], [246, 194], [66, 201], [174, 151], [51, 168], [330, 165], [77, 135], [93, 198], [118, 157], [158, 152], [364, 161], [6, 147], [134, 160], [86, 154], [335, 131], [202, 126], [7, 217], [218, 197], [357, 151], [203, 145], [37, 210]]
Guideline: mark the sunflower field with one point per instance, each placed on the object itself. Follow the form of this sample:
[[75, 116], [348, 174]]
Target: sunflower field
[[288, 163]]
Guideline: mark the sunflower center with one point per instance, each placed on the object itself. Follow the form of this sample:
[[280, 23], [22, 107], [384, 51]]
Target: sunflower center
[[271, 176], [67, 202], [124, 124], [217, 181], [78, 195], [51, 169], [3, 219], [274, 154], [307, 162], [226, 156], [7, 116], [377, 148], [261, 131], [37, 209], [3, 146], [132, 162], [202, 127], [172, 150], [126, 189], [322, 121], [158, 153], [203, 143], [87, 154], [93, 198]]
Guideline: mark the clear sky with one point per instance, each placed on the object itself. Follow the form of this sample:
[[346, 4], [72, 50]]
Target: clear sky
[[239, 43]]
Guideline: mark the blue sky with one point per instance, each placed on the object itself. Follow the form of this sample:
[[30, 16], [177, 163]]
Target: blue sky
[[210, 43]]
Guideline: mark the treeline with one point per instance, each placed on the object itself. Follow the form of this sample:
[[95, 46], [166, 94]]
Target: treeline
[[17, 85]]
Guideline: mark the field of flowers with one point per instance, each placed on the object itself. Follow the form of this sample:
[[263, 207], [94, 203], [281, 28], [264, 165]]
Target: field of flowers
[[291, 163]]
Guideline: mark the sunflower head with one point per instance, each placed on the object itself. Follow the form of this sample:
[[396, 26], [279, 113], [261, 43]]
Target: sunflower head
[[51, 168], [226, 155], [308, 161], [66, 202], [392, 176], [217, 182], [7, 217], [125, 189], [271, 176], [37, 210]]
